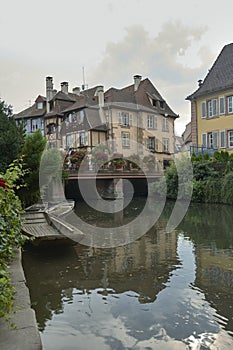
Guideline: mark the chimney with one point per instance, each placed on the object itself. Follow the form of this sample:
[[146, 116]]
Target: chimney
[[137, 80], [64, 87], [200, 82], [100, 93], [76, 90], [49, 91]]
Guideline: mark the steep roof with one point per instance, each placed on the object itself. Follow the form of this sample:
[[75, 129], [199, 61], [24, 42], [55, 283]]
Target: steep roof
[[220, 76], [141, 97], [32, 111]]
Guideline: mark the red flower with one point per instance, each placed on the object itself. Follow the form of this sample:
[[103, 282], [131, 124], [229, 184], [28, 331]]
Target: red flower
[[3, 184]]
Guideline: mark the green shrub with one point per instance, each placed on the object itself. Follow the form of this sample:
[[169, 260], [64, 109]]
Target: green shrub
[[198, 191], [10, 231], [227, 189], [212, 190]]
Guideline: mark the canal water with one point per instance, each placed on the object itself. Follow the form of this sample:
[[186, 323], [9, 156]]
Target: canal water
[[162, 291]]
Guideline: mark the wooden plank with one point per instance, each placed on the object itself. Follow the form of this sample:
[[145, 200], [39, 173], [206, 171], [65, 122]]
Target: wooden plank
[[41, 230]]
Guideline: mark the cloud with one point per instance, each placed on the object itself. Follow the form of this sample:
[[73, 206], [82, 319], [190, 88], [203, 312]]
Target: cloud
[[173, 60]]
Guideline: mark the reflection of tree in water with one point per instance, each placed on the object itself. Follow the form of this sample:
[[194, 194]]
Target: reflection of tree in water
[[142, 267], [209, 222], [210, 228]]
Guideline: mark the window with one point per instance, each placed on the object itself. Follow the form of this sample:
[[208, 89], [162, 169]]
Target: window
[[36, 124], [221, 105], [124, 118], [212, 108], [230, 138], [51, 128], [39, 105], [213, 139], [165, 145], [151, 143], [83, 139], [223, 139], [165, 124], [28, 126], [125, 139], [161, 104], [203, 109], [230, 104], [204, 140], [150, 122]]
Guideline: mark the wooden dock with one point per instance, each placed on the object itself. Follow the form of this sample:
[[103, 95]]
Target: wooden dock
[[48, 224]]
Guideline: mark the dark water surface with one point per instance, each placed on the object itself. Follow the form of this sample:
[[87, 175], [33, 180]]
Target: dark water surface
[[163, 291]]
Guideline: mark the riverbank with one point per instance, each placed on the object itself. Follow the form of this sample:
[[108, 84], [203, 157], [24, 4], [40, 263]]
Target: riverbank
[[26, 335]]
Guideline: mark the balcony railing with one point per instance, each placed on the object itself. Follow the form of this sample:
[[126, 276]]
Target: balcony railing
[[202, 150]]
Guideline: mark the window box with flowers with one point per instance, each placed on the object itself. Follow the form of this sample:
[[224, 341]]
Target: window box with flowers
[[134, 161], [118, 162]]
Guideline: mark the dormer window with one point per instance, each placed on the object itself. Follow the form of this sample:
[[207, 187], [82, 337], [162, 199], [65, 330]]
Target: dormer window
[[39, 105], [154, 103], [161, 104]]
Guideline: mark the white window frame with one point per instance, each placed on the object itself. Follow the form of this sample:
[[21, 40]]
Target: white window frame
[[124, 119], [40, 105], [28, 126], [230, 138], [165, 125], [83, 138], [203, 109], [125, 137], [150, 121], [230, 104], [221, 105], [213, 139], [165, 145], [212, 108], [204, 140], [151, 143], [222, 139]]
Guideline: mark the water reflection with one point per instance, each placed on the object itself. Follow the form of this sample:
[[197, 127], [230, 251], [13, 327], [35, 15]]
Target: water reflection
[[163, 291]]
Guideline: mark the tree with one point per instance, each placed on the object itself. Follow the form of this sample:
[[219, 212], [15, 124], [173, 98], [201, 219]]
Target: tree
[[11, 137], [33, 148]]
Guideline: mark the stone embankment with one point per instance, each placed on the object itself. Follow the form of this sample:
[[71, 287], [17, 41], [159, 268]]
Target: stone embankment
[[26, 335]]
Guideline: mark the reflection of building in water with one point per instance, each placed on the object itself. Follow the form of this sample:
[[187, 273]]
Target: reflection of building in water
[[142, 267], [214, 276]]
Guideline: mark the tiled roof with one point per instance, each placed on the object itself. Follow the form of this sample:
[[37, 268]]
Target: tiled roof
[[30, 112], [140, 97], [64, 97], [220, 76]]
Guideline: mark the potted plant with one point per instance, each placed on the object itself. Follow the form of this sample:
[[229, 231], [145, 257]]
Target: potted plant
[[118, 161]]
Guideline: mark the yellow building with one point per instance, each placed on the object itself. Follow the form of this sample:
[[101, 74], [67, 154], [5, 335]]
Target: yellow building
[[212, 106]]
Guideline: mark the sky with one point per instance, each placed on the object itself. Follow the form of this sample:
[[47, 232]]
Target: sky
[[173, 43]]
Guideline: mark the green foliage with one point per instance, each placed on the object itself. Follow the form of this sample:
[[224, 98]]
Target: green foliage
[[10, 230], [198, 191], [212, 190], [11, 137], [222, 156], [227, 189], [32, 150], [212, 179], [172, 181]]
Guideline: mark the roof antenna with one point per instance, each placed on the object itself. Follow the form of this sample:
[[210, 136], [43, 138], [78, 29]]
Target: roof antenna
[[84, 85]]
